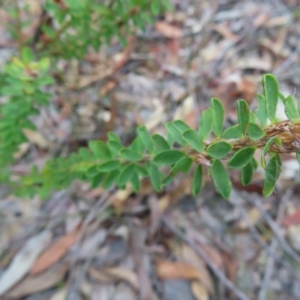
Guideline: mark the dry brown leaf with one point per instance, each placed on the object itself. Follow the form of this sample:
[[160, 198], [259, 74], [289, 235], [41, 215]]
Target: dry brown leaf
[[292, 219], [231, 265], [24, 260], [120, 198], [225, 32], [55, 252], [34, 284], [261, 19], [186, 253], [176, 270], [124, 274], [108, 87], [199, 291], [168, 30], [99, 275], [36, 138], [214, 255]]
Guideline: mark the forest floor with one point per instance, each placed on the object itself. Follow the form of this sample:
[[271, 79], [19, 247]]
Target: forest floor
[[102, 245]]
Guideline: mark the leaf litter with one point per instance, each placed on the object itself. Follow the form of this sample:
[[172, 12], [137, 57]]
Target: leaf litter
[[170, 71]]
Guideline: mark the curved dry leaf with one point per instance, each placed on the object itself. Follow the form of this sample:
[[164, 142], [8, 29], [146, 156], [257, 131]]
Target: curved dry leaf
[[34, 284], [199, 291], [99, 275], [24, 260], [176, 270], [124, 274], [55, 252], [168, 30], [187, 254]]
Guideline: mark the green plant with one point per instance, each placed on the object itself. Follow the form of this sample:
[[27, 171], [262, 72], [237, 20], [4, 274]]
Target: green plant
[[24, 82], [67, 30], [209, 149]]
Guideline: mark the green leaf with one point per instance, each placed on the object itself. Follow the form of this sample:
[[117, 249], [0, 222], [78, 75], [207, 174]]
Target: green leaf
[[168, 180], [85, 153], [261, 111], [205, 123], [175, 133], [100, 150], [114, 147], [92, 172], [221, 179], [247, 174], [145, 136], [217, 116], [108, 166], [181, 126], [27, 55], [272, 174], [255, 132], [194, 140], [233, 132], [136, 183], [155, 177], [97, 180], [126, 174], [267, 147], [130, 155], [141, 170], [291, 108], [241, 158], [219, 149], [160, 143], [243, 115], [110, 179], [197, 180], [114, 137], [168, 157], [271, 90], [183, 165], [137, 145]]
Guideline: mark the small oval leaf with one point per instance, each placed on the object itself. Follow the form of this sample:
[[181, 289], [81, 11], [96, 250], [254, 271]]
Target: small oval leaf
[[175, 133], [291, 108], [130, 155], [126, 175], [261, 111], [194, 140], [168, 157], [155, 177], [110, 179], [219, 149], [183, 165], [233, 132], [160, 143], [197, 180], [272, 174], [205, 124], [255, 132], [108, 166], [145, 137], [221, 179], [247, 174], [136, 183], [241, 158], [217, 116], [271, 89], [243, 115]]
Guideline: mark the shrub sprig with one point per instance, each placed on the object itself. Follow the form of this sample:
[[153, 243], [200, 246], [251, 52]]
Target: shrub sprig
[[210, 149]]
